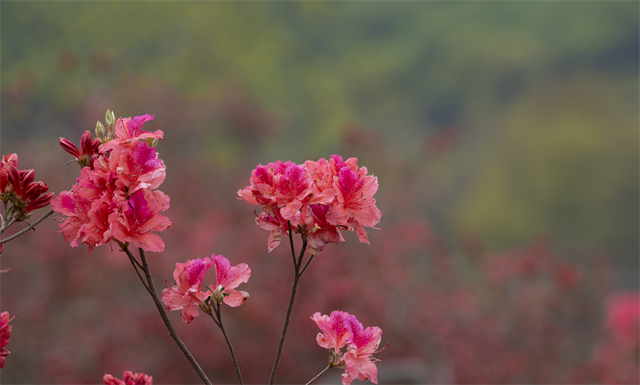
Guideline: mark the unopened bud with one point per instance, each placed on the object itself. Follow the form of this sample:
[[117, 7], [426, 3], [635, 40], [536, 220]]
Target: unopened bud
[[101, 132], [219, 294], [109, 118], [152, 142]]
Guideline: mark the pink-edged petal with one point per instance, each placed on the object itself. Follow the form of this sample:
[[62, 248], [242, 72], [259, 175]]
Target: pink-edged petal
[[235, 297]]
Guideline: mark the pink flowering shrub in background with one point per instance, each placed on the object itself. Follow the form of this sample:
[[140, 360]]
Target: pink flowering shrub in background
[[5, 335]]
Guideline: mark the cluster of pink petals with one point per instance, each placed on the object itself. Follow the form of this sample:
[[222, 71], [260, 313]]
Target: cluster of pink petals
[[19, 188], [318, 198], [128, 378], [342, 329], [5, 334], [114, 197], [185, 294]]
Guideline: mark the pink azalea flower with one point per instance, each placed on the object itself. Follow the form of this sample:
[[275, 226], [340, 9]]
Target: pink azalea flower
[[128, 132], [186, 294], [137, 216], [334, 330], [354, 206], [85, 223], [229, 278], [360, 346], [137, 167], [318, 198], [129, 379], [5, 334]]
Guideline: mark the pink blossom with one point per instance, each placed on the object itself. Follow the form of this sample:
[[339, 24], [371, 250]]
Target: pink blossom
[[334, 330], [128, 132], [138, 215], [129, 379], [137, 167], [85, 222], [186, 294], [229, 278], [354, 206], [360, 346], [5, 334], [318, 198]]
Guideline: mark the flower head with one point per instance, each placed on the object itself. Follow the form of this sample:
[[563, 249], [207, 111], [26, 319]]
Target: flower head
[[360, 346], [185, 295], [230, 277], [129, 379], [317, 198], [342, 329], [114, 197]]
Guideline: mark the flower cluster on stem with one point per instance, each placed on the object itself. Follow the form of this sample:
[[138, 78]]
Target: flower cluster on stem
[[114, 197], [318, 198]]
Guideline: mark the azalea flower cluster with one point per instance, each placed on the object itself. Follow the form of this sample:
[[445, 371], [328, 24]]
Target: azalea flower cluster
[[114, 197], [342, 329], [185, 295], [18, 191], [5, 334], [128, 378], [317, 198]]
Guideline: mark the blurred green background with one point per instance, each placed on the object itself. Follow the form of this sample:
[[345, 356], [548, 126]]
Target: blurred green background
[[536, 104], [508, 120]]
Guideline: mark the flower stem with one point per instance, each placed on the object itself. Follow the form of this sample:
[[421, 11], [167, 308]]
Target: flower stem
[[163, 314], [320, 374], [224, 332], [19, 233], [287, 319]]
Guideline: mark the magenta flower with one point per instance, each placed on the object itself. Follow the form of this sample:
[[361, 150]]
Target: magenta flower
[[5, 334], [185, 295], [229, 277], [129, 379], [360, 346], [334, 330]]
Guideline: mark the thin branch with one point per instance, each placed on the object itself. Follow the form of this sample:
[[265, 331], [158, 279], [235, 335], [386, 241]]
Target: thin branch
[[224, 332], [320, 374], [163, 314], [294, 287], [19, 233], [132, 259], [306, 264], [293, 251]]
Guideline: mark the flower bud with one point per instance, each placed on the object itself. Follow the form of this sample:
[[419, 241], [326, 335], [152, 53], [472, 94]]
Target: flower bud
[[152, 142], [109, 118], [101, 132], [85, 143], [218, 294], [69, 147]]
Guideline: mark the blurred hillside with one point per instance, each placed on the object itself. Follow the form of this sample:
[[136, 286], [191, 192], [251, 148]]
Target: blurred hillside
[[497, 121]]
